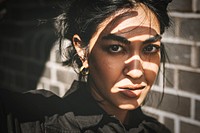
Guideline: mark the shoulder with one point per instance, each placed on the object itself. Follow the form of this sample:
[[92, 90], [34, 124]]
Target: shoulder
[[69, 122], [30, 105], [35, 104], [154, 126], [146, 123]]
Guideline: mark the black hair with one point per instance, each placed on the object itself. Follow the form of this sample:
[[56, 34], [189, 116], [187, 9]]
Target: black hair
[[82, 17]]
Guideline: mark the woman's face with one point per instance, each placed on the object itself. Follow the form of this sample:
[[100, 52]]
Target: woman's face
[[124, 59]]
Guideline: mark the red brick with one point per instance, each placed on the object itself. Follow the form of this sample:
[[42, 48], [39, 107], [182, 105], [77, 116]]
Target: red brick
[[13, 63], [189, 128], [34, 69], [171, 103], [47, 72], [197, 110], [25, 82], [179, 54], [181, 5], [190, 29], [66, 76], [189, 81], [55, 89], [169, 78], [197, 6], [169, 123]]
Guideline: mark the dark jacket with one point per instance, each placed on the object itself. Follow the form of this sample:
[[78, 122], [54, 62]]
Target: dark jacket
[[77, 112]]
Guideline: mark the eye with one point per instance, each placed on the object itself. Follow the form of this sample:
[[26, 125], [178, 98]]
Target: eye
[[115, 48], [151, 48]]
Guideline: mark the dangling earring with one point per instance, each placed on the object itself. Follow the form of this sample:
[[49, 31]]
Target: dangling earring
[[84, 71]]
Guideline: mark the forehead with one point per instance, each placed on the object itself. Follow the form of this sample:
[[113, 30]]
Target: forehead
[[138, 20]]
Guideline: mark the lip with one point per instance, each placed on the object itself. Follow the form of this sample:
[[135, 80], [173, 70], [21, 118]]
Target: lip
[[131, 91]]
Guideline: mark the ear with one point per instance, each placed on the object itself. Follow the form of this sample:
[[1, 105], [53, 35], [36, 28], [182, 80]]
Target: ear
[[81, 51]]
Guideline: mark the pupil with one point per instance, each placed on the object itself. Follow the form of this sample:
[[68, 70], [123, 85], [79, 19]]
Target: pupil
[[115, 48], [149, 48]]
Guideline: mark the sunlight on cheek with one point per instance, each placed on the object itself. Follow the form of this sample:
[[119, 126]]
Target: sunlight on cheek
[[153, 67]]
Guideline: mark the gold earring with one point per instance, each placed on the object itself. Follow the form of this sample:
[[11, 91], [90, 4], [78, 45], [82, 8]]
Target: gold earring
[[84, 71]]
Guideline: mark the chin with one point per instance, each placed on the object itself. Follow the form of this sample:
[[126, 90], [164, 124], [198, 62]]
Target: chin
[[131, 105], [128, 106]]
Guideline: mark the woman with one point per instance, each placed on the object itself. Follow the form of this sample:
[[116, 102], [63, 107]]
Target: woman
[[117, 47]]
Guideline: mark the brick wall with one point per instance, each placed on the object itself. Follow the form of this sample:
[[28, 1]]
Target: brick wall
[[29, 59], [27, 37], [180, 108]]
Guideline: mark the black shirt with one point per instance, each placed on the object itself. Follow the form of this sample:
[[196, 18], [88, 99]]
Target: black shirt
[[43, 112]]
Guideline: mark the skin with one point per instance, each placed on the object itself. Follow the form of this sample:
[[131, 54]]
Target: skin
[[123, 60]]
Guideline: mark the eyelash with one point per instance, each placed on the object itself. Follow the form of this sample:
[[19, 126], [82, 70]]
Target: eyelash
[[155, 50], [111, 48], [145, 50]]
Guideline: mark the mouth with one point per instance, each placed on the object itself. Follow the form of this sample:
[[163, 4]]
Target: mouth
[[132, 91], [132, 87]]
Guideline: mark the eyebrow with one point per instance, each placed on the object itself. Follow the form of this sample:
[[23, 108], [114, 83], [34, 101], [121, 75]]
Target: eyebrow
[[155, 38], [116, 38], [124, 40]]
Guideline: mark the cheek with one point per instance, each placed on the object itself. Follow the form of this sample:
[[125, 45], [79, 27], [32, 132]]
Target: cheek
[[151, 68], [104, 68], [97, 66], [151, 71]]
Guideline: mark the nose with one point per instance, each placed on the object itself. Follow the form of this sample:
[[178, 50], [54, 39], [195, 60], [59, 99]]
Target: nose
[[133, 67]]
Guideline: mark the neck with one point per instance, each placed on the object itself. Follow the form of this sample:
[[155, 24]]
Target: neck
[[120, 114], [109, 108]]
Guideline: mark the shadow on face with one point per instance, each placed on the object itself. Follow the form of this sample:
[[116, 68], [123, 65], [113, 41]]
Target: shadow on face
[[124, 58]]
